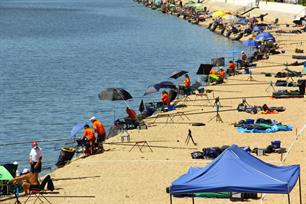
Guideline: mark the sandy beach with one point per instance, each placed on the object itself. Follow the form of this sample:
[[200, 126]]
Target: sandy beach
[[122, 176]]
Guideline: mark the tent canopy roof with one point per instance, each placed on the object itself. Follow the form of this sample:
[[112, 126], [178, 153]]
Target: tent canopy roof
[[237, 171]]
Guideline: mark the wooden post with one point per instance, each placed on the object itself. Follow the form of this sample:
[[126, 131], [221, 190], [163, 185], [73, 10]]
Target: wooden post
[[170, 198], [300, 188], [192, 200], [288, 198]]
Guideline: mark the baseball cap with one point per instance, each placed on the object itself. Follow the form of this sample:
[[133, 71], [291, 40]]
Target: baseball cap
[[24, 171], [34, 144]]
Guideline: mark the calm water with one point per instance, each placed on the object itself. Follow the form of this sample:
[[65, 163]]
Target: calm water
[[57, 55]]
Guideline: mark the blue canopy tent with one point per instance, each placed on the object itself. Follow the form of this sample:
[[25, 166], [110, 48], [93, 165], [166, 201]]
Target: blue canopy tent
[[237, 171]]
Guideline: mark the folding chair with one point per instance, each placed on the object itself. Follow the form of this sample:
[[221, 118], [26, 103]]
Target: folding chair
[[37, 194]]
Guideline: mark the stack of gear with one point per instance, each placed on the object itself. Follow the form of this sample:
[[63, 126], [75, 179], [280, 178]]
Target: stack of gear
[[243, 107], [291, 94], [261, 126], [213, 152]]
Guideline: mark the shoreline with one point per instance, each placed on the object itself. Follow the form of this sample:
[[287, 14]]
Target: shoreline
[[120, 172]]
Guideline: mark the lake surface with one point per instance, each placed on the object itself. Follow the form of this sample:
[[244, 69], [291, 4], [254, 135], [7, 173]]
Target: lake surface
[[57, 55]]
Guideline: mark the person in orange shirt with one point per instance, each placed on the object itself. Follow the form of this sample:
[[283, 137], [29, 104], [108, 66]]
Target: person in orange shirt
[[132, 115], [165, 98], [221, 74], [89, 135], [231, 68], [99, 130], [187, 81]]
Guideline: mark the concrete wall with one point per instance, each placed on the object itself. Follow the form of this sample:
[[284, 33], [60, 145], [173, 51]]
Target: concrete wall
[[292, 9], [296, 10]]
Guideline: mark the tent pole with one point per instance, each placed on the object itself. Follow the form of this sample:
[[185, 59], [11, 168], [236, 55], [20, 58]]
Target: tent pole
[[288, 198], [170, 198], [300, 189]]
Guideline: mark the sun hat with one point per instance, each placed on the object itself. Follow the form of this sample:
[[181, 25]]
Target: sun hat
[[24, 171], [34, 144], [93, 118], [15, 163]]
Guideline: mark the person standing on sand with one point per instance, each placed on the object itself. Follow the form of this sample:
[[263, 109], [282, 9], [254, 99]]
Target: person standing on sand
[[100, 130], [89, 136], [35, 158]]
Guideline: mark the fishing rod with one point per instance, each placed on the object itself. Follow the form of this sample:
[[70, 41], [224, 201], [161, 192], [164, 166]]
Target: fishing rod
[[81, 177], [246, 84], [241, 97], [179, 123], [157, 146], [27, 142]]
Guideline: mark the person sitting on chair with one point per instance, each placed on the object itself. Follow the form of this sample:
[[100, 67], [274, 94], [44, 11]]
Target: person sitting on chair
[[231, 68], [243, 59], [130, 121], [30, 181], [89, 137], [165, 98], [187, 82], [221, 74], [213, 76]]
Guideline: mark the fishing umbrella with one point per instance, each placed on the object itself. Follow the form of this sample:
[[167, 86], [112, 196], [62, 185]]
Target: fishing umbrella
[[265, 36], [5, 174], [258, 29], [141, 107], [230, 18], [167, 84], [114, 94], [218, 13], [156, 87], [178, 74], [250, 43], [76, 129]]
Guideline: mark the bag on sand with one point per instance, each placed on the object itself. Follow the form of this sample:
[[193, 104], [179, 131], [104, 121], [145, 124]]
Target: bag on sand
[[197, 155]]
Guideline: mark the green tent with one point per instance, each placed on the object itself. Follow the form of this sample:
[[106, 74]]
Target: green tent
[[5, 174]]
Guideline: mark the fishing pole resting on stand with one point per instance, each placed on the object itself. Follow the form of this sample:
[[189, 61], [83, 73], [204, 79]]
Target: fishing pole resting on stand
[[270, 86], [217, 104]]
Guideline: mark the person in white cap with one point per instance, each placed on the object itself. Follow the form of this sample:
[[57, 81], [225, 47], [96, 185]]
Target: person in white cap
[[35, 158], [99, 130], [30, 181]]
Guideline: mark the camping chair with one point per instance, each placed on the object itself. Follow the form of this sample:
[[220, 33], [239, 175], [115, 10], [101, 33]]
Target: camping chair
[[190, 90], [39, 193]]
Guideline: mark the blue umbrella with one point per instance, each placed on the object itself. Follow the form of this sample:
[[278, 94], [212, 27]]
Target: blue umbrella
[[256, 29], [265, 36], [76, 128], [250, 43]]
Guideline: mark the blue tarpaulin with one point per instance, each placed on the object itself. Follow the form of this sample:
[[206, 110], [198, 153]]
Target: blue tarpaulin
[[237, 171], [273, 128]]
